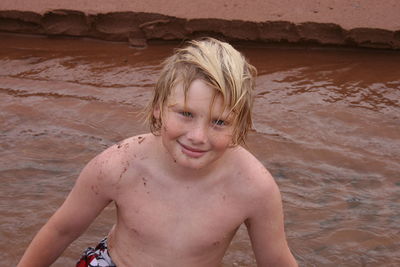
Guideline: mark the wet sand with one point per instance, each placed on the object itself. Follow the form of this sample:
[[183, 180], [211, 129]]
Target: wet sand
[[371, 24], [327, 126]]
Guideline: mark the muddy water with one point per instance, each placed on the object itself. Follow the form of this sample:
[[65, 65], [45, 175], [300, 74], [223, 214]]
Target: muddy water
[[327, 125]]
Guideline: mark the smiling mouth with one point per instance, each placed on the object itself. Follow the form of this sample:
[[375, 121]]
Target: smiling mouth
[[192, 152]]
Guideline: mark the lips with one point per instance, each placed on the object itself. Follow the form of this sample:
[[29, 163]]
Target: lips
[[192, 152]]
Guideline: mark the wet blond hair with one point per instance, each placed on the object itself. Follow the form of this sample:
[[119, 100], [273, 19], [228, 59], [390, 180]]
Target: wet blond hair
[[219, 65]]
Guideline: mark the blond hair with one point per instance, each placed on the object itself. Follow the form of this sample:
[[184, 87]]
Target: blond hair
[[219, 65]]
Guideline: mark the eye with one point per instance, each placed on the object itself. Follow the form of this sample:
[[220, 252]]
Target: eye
[[186, 114], [219, 122]]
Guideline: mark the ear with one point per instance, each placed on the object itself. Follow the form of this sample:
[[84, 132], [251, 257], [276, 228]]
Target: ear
[[157, 112]]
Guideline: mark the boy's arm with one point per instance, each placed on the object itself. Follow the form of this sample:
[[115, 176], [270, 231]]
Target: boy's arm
[[85, 201], [266, 228]]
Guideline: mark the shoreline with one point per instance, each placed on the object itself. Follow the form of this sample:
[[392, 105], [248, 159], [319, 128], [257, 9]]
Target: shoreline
[[332, 23]]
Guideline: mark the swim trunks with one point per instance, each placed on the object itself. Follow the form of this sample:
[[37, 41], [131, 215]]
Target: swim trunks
[[96, 257]]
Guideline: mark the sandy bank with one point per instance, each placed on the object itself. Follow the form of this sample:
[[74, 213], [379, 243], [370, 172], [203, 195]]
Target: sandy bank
[[366, 23]]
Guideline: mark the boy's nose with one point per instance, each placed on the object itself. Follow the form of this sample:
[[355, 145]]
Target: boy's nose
[[197, 134]]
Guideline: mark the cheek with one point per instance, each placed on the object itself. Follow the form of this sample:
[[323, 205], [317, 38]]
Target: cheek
[[222, 141], [172, 128]]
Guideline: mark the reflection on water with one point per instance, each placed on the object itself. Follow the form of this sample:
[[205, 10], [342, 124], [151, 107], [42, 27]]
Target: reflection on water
[[327, 125]]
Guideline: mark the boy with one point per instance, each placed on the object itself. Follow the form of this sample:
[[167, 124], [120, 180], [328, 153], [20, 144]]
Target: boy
[[183, 190]]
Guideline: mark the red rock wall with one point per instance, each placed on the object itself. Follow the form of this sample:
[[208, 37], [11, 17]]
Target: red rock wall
[[366, 23]]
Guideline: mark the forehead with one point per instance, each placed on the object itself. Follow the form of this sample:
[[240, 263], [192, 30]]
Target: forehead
[[198, 93]]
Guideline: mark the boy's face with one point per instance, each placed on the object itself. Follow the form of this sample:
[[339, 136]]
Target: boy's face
[[197, 133]]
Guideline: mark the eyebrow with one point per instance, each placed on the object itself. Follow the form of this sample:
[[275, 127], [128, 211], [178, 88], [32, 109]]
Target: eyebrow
[[172, 105]]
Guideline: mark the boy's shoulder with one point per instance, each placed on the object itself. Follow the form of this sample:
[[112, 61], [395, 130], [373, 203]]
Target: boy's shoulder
[[246, 162], [137, 144], [119, 157], [132, 146], [253, 184], [250, 172]]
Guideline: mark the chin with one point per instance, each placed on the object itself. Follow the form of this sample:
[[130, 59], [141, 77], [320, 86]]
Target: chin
[[195, 163]]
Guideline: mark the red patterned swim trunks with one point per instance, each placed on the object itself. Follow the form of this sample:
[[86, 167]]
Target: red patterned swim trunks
[[96, 257]]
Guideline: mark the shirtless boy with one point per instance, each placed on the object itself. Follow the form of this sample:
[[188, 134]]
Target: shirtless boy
[[182, 191]]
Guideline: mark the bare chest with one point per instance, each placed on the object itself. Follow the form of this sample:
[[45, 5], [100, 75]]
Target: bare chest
[[183, 220]]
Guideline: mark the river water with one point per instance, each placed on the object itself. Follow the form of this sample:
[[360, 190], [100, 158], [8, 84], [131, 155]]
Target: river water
[[327, 126]]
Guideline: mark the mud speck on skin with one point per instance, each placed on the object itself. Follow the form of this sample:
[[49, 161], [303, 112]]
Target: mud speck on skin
[[123, 171], [122, 144], [144, 181], [216, 243], [134, 230], [95, 189], [141, 139], [125, 168]]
